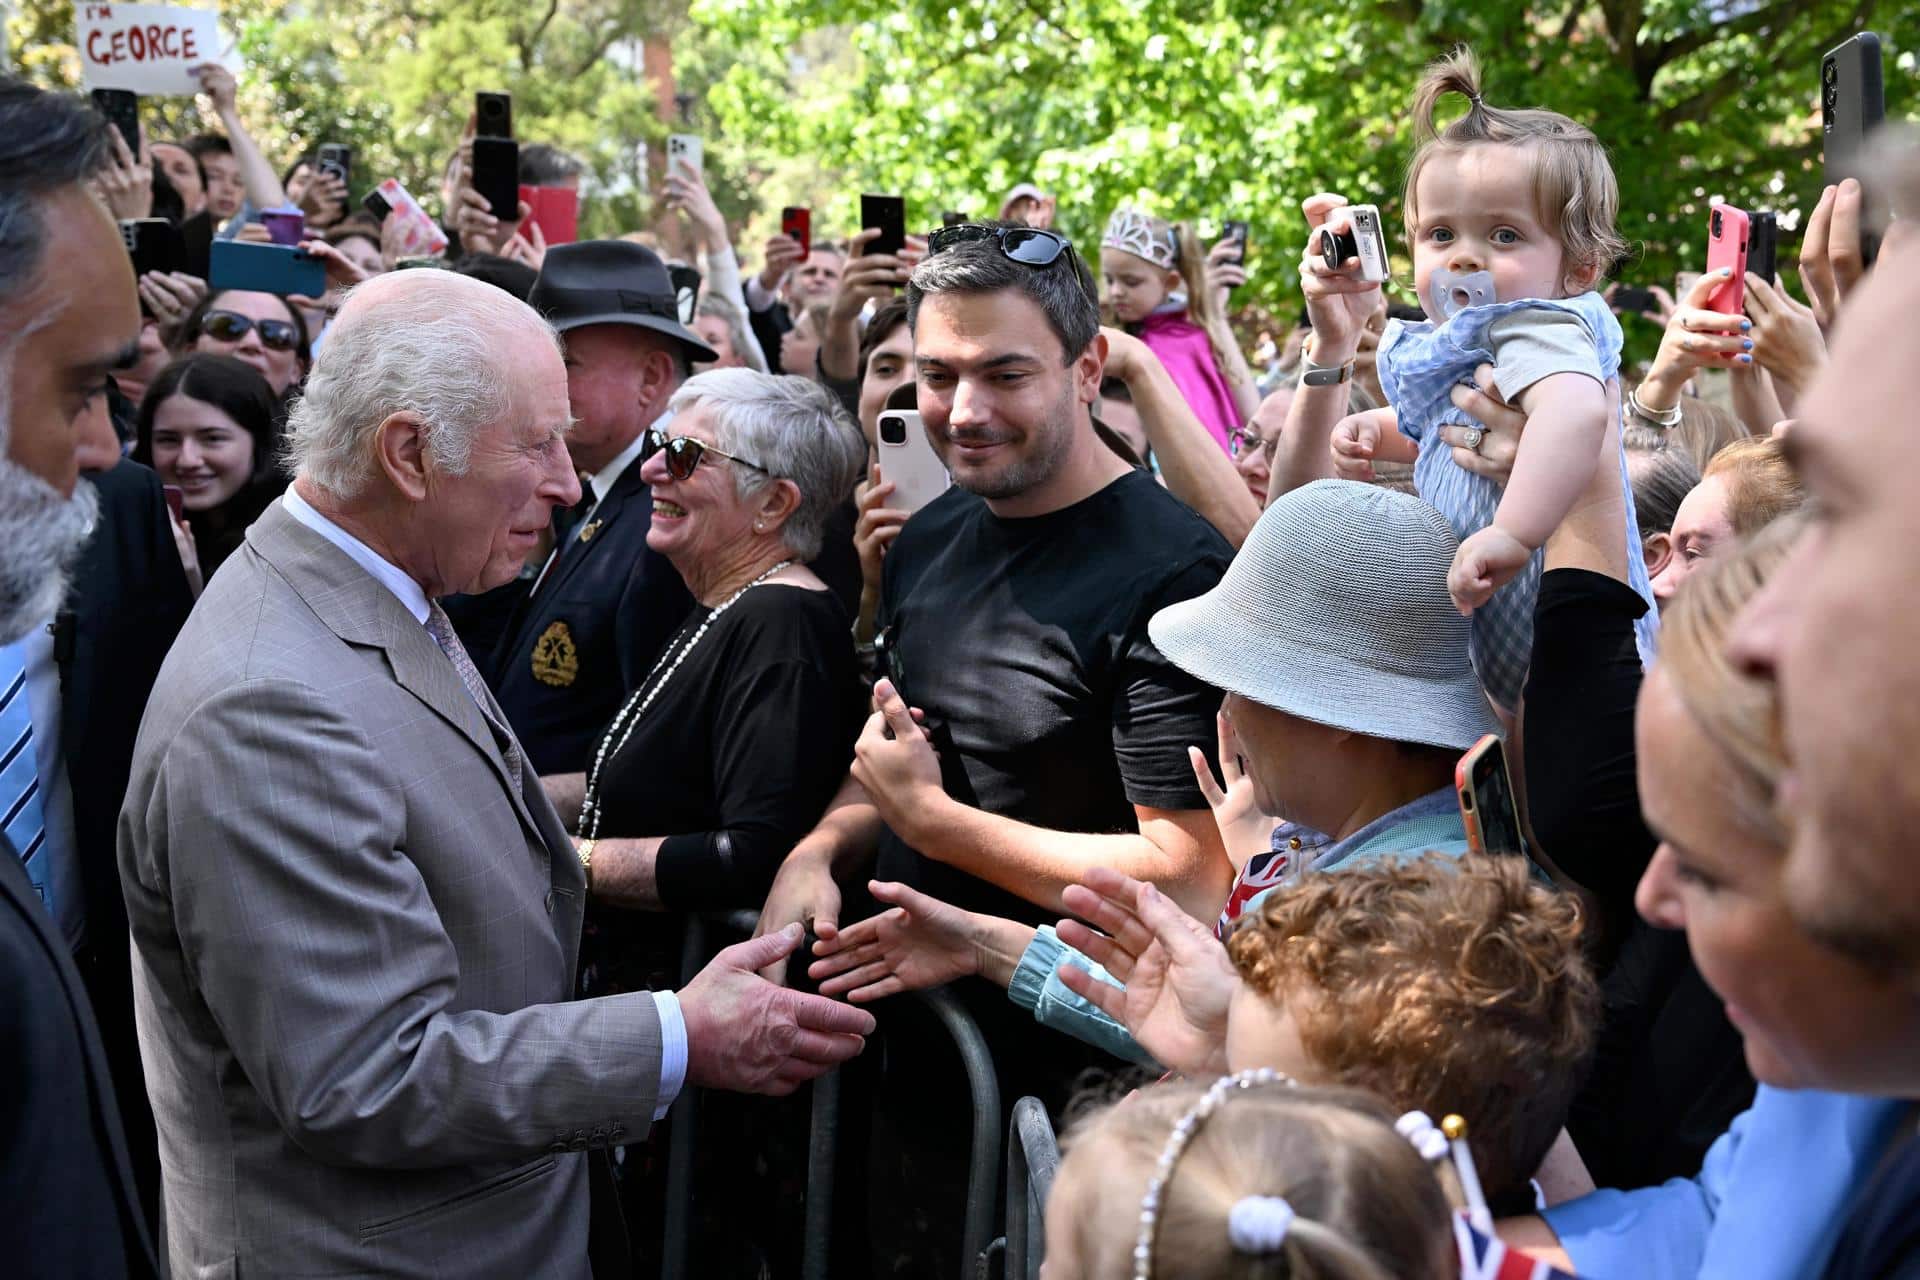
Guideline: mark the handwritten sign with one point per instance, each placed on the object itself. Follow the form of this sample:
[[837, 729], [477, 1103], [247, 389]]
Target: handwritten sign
[[148, 48]]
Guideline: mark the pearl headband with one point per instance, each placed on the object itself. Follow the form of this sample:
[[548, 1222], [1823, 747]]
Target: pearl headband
[[1259, 1224]]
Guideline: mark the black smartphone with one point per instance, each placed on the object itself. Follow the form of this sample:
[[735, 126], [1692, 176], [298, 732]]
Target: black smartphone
[[1632, 301], [336, 158], [153, 244], [1763, 244], [952, 217], [1852, 105], [496, 175], [376, 204], [1235, 230], [121, 107], [889, 214], [493, 115]]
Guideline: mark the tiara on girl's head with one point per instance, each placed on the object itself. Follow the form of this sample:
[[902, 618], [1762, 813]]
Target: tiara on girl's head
[[1131, 231], [1184, 1128]]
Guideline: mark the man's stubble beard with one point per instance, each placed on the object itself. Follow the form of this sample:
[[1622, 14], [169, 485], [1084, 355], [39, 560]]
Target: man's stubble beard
[[1037, 467]]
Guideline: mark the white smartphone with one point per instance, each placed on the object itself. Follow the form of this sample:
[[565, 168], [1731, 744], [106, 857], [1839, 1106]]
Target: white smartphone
[[908, 462], [686, 150]]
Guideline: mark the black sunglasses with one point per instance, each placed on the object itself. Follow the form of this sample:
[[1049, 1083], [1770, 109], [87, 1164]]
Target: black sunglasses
[[231, 326], [684, 453], [1028, 246]]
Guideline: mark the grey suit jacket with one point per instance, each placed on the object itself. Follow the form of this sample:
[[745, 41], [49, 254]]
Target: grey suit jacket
[[354, 949]]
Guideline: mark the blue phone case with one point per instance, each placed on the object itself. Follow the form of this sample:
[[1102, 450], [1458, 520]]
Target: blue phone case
[[265, 268]]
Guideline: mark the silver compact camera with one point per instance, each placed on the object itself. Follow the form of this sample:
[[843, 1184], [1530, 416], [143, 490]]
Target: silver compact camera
[[1363, 240]]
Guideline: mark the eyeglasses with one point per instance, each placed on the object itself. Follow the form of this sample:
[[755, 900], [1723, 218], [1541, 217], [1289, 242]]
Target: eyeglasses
[[1240, 439], [231, 326], [684, 453]]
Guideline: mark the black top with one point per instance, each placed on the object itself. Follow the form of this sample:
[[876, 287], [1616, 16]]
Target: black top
[[1881, 1239], [738, 755], [1025, 641], [574, 649], [1669, 1072]]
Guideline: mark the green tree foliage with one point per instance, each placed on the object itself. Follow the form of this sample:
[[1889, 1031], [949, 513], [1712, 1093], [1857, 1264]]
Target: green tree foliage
[[1215, 109], [396, 79]]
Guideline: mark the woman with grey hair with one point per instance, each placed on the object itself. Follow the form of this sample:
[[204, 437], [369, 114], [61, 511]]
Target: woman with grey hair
[[729, 749]]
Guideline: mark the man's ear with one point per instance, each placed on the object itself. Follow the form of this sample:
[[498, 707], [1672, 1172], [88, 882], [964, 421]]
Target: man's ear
[[659, 378], [400, 446], [1657, 549], [1089, 368]]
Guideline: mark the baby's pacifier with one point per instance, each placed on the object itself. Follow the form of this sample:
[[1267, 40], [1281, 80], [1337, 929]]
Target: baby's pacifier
[[1451, 294]]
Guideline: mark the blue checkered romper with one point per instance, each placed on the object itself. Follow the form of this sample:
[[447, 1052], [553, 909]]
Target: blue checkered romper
[[1419, 364]]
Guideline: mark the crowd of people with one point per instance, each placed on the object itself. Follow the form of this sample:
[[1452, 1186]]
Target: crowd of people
[[402, 682]]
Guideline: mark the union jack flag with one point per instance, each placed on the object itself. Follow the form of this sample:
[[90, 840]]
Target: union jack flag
[[1489, 1258]]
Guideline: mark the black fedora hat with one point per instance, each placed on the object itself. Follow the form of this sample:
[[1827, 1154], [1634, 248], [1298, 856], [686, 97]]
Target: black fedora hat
[[612, 282]]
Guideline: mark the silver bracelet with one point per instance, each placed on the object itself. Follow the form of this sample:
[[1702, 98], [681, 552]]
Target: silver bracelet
[[1666, 419]]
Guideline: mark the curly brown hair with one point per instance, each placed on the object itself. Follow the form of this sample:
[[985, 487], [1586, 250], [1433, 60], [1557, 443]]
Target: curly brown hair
[[1447, 985]]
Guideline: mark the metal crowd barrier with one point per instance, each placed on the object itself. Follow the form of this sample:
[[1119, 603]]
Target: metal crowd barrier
[[824, 1131], [1033, 1156]]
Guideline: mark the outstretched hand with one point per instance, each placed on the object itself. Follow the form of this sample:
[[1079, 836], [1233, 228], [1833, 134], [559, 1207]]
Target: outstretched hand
[[1244, 829], [747, 1035], [921, 942], [1178, 980]]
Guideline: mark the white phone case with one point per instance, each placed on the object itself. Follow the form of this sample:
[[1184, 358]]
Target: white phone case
[[912, 468], [687, 149]]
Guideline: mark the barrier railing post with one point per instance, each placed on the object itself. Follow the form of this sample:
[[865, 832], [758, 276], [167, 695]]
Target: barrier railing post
[[1033, 1155], [681, 1119], [984, 1169]]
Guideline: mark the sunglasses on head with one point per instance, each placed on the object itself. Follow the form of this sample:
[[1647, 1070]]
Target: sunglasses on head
[[683, 453], [1028, 246], [231, 326]]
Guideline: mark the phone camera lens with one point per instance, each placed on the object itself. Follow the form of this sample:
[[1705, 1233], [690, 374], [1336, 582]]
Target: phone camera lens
[[893, 430], [1716, 222]]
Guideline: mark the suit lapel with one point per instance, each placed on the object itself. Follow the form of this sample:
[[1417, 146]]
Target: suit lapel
[[361, 611], [630, 499]]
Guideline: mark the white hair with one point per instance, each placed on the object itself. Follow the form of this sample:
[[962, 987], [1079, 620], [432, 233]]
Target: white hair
[[796, 429], [426, 342]]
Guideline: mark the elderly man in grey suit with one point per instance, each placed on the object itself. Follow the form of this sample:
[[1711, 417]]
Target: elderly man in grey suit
[[355, 916]]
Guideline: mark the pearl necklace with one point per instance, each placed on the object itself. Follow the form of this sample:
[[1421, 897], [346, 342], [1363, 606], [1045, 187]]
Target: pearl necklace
[[623, 724]]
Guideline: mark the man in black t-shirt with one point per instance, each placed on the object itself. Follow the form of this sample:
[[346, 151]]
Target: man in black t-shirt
[[1014, 615], [1051, 734]]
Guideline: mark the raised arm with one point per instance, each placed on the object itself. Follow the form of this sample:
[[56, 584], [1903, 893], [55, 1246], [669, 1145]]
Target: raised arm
[[256, 172], [1338, 305], [1196, 471]]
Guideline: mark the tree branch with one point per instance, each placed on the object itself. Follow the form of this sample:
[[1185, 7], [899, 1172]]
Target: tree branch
[[1697, 106], [1685, 43]]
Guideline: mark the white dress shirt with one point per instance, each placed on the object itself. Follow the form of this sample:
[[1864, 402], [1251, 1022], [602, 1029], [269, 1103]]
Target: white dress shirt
[[673, 1027]]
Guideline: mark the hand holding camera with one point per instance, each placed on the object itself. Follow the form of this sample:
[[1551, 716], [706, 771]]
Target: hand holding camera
[[687, 192], [1339, 301], [1226, 268], [1695, 338]]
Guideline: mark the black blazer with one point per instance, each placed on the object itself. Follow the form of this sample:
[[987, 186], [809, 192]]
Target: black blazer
[[70, 1205], [590, 634], [769, 327], [128, 601]]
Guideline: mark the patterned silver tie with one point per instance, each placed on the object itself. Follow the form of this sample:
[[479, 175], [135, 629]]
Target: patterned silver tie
[[440, 627]]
